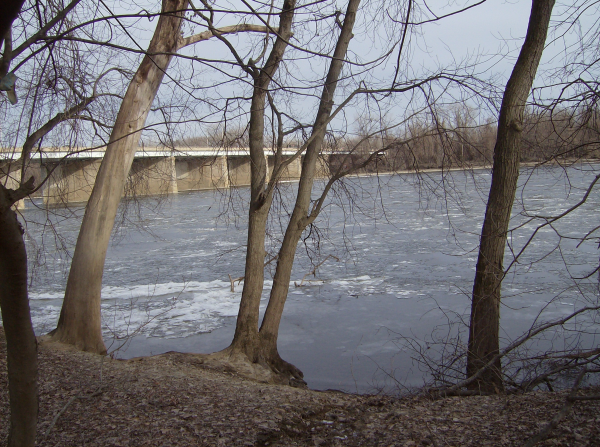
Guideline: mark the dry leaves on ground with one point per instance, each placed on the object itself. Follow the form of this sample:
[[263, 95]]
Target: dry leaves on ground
[[172, 400]]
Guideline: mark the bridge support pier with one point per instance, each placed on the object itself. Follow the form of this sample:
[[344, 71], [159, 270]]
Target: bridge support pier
[[152, 176], [322, 169], [70, 181], [197, 173], [291, 172], [239, 171]]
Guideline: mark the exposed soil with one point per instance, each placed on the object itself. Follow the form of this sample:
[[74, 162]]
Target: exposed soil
[[175, 400]]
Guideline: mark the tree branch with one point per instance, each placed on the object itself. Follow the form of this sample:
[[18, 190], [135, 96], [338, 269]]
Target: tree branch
[[232, 29], [8, 197], [42, 32]]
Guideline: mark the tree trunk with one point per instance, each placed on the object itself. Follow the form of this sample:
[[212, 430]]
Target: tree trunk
[[485, 309], [21, 345], [80, 320], [300, 216], [10, 11], [245, 339]]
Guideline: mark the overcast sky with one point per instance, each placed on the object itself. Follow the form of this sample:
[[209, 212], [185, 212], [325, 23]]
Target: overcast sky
[[495, 28], [486, 28]]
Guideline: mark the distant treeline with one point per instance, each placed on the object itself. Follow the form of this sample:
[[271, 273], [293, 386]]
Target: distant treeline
[[548, 135], [455, 141]]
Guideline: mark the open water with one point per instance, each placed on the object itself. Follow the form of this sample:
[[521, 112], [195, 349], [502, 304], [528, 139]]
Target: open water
[[405, 250]]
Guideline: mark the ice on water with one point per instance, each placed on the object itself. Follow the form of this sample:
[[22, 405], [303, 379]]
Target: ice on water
[[392, 281]]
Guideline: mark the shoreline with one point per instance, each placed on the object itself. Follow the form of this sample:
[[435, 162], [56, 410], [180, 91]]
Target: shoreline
[[171, 400]]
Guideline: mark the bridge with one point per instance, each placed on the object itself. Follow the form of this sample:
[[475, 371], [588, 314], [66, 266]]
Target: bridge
[[155, 170]]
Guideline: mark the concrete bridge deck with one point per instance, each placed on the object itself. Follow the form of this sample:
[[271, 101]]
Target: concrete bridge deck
[[155, 170], [142, 152]]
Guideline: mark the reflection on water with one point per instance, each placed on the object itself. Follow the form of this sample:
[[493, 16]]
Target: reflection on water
[[405, 269]]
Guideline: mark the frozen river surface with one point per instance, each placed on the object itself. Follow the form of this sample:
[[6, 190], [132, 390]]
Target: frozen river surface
[[407, 252]]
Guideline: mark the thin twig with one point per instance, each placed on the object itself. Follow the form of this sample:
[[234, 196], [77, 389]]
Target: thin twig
[[241, 278], [232, 281], [314, 271]]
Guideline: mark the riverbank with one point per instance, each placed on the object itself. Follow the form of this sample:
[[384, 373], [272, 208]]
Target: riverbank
[[170, 400]]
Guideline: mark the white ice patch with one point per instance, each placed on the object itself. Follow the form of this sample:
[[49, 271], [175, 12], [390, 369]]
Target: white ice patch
[[169, 310], [225, 244], [182, 309], [365, 279], [160, 290]]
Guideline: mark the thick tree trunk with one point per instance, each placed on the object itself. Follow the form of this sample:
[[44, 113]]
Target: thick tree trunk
[[80, 319], [300, 216], [21, 345], [246, 332], [10, 11], [485, 310]]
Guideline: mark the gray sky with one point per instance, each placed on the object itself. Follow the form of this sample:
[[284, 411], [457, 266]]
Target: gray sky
[[494, 29], [488, 28]]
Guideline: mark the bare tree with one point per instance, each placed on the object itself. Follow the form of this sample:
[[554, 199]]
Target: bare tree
[[245, 344], [14, 302], [21, 345], [485, 310], [80, 319], [11, 11], [301, 216], [256, 347]]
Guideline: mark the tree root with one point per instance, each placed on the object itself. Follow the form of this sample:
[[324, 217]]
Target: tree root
[[285, 371], [262, 368], [95, 346]]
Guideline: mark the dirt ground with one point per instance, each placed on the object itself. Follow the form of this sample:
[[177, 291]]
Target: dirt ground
[[173, 400]]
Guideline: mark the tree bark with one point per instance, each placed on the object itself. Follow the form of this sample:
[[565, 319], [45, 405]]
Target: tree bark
[[80, 320], [10, 11], [245, 339], [21, 345], [300, 216], [484, 326]]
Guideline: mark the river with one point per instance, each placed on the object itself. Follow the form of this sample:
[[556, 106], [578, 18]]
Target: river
[[406, 249]]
